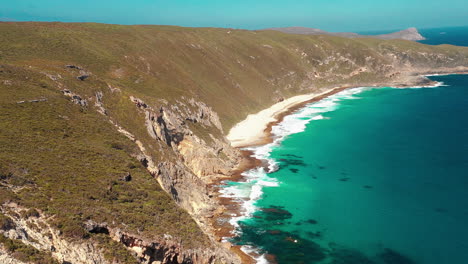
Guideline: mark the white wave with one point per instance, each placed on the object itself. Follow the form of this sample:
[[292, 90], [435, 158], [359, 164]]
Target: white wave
[[437, 84], [438, 74], [249, 250], [249, 192]]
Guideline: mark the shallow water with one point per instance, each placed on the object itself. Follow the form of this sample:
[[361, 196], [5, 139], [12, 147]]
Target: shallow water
[[365, 176]]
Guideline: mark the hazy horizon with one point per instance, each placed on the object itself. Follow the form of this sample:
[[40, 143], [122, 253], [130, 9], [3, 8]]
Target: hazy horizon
[[335, 16]]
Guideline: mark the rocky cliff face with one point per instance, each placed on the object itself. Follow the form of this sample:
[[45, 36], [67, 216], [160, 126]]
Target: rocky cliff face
[[36, 231], [147, 105]]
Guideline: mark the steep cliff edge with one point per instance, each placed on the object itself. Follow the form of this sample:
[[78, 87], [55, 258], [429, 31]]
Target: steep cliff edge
[[97, 120]]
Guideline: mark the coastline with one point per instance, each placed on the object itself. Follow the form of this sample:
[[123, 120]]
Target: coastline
[[233, 208], [250, 131], [255, 129]]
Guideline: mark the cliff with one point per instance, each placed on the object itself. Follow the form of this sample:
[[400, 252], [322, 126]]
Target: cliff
[[112, 136]]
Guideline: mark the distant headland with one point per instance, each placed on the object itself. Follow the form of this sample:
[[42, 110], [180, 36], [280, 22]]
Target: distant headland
[[407, 34]]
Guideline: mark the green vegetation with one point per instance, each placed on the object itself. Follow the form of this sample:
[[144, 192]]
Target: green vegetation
[[26, 253], [236, 71], [68, 161]]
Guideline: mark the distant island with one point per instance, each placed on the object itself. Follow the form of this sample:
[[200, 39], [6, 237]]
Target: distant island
[[407, 34]]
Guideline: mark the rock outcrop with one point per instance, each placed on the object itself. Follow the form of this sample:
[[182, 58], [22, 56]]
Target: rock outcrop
[[38, 233]]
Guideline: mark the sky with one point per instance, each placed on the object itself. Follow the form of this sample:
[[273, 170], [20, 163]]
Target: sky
[[331, 15]]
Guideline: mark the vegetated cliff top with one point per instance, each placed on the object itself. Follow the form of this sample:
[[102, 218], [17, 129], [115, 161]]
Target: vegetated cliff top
[[64, 86], [406, 34]]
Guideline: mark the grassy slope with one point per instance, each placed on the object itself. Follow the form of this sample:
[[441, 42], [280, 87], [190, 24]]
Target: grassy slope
[[70, 162], [70, 159], [167, 62]]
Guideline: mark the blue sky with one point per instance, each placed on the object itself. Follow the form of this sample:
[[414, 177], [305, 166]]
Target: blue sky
[[332, 15]]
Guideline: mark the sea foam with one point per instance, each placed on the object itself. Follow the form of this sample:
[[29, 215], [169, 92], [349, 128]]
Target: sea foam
[[247, 193]]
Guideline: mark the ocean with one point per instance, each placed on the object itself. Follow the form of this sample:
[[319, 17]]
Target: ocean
[[368, 175], [436, 36]]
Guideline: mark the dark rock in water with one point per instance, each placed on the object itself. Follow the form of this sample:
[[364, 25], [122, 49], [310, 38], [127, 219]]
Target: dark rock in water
[[292, 155], [293, 162], [340, 255], [367, 186], [344, 179], [314, 177], [275, 213], [321, 167], [390, 256], [312, 221], [314, 234], [294, 170], [274, 232], [288, 247]]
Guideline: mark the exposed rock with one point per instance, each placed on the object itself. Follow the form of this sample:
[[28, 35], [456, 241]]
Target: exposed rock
[[5, 257], [99, 105], [33, 101], [7, 82], [167, 251], [96, 228], [46, 238], [82, 77], [139, 103], [127, 177], [73, 67], [75, 98]]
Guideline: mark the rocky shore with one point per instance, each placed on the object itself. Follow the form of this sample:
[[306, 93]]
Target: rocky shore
[[260, 126]]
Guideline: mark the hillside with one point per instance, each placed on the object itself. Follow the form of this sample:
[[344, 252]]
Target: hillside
[[111, 136]]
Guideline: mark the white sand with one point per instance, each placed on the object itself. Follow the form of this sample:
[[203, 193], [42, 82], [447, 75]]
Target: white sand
[[252, 130]]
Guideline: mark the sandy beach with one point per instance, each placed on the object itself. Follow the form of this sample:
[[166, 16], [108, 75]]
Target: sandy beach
[[252, 130]]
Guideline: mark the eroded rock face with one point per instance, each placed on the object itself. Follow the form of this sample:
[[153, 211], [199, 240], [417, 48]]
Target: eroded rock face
[[168, 251], [207, 160], [38, 233], [75, 98], [5, 258]]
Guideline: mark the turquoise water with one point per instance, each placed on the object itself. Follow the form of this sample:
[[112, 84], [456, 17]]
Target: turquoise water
[[373, 176]]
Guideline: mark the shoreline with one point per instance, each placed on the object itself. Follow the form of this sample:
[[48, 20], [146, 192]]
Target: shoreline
[[265, 136], [254, 130]]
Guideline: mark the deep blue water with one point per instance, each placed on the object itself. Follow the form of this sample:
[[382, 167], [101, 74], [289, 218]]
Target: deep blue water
[[377, 176], [436, 36], [454, 36]]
